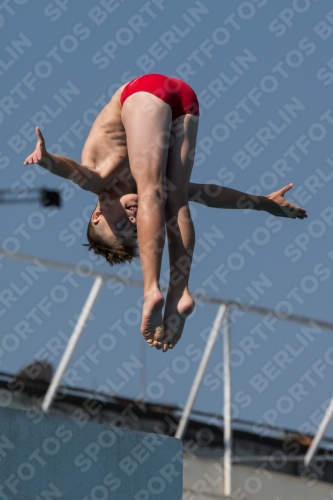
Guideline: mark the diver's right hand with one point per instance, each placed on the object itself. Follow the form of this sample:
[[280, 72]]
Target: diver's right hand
[[40, 151]]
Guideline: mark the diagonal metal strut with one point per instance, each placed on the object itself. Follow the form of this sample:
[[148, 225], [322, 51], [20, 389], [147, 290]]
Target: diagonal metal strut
[[73, 341]]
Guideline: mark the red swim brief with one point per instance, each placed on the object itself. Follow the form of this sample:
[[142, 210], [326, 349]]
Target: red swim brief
[[178, 94]]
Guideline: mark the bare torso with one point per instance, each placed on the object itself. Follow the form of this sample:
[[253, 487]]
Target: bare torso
[[105, 149]]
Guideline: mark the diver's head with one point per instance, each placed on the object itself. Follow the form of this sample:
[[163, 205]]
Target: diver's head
[[112, 229]]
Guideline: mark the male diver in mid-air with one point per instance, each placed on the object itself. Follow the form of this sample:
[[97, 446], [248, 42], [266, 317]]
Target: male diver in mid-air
[[143, 142]]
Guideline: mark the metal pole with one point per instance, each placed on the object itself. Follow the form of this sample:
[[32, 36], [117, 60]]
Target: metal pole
[[227, 457], [200, 373], [206, 298], [72, 343], [319, 434]]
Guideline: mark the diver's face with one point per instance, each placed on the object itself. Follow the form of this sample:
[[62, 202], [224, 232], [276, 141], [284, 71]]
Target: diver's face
[[117, 219]]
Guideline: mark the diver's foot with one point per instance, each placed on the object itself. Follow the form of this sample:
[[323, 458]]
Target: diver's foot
[[152, 325], [177, 311]]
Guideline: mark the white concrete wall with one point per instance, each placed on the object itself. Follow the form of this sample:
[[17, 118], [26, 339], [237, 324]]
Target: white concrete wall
[[203, 480]]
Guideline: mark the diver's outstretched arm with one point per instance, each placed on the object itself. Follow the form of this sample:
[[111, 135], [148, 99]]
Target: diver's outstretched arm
[[85, 177], [215, 196]]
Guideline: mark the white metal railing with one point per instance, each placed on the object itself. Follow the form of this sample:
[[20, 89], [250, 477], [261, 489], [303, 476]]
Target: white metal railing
[[222, 319], [72, 343]]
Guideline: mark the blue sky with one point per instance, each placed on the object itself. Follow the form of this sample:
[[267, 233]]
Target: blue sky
[[263, 72]]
